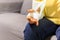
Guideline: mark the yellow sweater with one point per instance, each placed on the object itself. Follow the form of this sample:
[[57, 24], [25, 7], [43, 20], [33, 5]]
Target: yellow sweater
[[52, 11]]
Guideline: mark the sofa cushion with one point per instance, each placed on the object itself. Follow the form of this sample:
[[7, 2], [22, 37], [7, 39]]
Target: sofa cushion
[[12, 25], [53, 37], [27, 4], [10, 5]]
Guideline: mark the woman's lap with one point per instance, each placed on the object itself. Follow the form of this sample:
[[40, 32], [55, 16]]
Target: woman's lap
[[46, 28]]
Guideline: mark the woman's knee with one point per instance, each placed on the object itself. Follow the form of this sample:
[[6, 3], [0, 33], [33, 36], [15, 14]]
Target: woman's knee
[[27, 28], [28, 33]]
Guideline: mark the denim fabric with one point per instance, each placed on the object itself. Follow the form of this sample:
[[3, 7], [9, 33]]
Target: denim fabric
[[58, 33], [45, 29]]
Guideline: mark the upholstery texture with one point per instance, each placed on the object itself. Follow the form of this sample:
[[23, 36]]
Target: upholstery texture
[[10, 5], [27, 4], [12, 26]]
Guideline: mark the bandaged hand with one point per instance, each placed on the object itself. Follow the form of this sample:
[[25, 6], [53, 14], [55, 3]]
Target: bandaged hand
[[30, 18]]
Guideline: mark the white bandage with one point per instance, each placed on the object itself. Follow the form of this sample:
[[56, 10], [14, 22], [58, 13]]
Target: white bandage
[[34, 15], [35, 6]]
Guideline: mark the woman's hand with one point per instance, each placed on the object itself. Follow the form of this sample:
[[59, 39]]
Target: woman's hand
[[31, 19], [30, 11]]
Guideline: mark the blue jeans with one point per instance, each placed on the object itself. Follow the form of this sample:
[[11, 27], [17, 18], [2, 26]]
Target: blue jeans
[[45, 29], [58, 33]]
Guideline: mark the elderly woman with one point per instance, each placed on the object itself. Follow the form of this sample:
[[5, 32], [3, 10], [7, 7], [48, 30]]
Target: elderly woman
[[47, 26]]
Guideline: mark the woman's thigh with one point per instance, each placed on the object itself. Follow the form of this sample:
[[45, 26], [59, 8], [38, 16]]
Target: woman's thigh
[[29, 34], [40, 32]]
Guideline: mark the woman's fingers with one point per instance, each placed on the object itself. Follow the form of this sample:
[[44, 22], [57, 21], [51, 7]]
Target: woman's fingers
[[30, 11], [38, 10], [37, 23], [33, 21]]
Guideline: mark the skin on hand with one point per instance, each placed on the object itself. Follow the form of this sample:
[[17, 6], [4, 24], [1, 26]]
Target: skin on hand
[[38, 10], [30, 11], [31, 19]]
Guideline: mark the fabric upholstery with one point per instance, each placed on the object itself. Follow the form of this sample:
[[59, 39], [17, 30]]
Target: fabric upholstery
[[10, 5], [12, 26], [53, 37], [27, 4]]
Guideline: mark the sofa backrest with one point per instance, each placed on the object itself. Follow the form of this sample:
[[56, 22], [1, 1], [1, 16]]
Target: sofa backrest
[[10, 5], [27, 4]]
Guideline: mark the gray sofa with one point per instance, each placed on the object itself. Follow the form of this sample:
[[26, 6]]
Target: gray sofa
[[13, 19]]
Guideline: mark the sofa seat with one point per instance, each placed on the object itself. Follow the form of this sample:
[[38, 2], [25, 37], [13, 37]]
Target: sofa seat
[[12, 25]]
